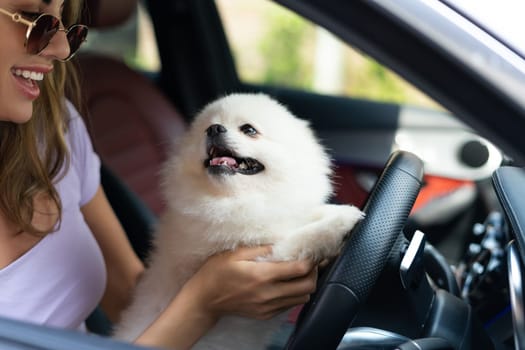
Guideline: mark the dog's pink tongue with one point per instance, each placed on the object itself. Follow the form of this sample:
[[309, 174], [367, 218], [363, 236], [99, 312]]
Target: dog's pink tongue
[[223, 161]]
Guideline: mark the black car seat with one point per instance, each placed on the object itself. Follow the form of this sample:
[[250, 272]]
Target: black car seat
[[131, 122]]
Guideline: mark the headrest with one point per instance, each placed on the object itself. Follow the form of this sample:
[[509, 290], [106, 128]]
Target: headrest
[[108, 13]]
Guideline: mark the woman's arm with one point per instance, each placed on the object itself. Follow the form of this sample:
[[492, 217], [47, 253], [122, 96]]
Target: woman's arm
[[231, 283], [122, 264]]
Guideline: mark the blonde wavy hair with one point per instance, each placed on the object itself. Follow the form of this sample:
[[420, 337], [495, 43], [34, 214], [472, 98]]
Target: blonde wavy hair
[[33, 154]]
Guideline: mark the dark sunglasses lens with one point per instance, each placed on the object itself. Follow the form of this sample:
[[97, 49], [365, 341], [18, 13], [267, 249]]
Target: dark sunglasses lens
[[76, 35], [45, 27]]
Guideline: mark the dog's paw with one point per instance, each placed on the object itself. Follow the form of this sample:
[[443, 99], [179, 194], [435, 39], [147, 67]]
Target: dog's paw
[[321, 238], [340, 218]]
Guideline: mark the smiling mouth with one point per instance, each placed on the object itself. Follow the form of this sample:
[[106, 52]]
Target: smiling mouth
[[223, 161]]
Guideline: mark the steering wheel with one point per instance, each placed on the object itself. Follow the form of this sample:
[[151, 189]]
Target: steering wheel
[[330, 312]]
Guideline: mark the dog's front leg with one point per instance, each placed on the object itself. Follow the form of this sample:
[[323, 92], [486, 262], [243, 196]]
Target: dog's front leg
[[322, 237]]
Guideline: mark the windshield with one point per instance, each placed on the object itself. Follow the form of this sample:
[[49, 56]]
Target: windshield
[[502, 18]]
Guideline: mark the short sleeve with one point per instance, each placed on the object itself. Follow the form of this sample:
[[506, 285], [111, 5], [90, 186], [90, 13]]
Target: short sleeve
[[84, 161]]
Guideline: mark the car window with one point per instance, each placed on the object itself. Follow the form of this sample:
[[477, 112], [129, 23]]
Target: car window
[[306, 56], [282, 48], [503, 19], [133, 42]]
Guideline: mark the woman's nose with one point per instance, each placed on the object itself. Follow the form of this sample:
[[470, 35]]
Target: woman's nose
[[58, 46]]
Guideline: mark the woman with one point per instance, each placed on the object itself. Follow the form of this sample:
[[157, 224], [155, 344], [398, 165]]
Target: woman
[[62, 250]]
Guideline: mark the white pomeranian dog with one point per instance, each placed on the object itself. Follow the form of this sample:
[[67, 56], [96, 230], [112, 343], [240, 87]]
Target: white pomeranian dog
[[247, 173]]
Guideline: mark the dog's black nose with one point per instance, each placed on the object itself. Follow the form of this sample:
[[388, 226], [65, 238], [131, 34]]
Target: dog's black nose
[[215, 130]]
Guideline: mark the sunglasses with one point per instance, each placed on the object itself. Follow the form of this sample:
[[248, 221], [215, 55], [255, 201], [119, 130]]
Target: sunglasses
[[43, 28]]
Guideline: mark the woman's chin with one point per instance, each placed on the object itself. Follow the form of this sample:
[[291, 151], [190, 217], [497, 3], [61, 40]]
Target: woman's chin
[[20, 115]]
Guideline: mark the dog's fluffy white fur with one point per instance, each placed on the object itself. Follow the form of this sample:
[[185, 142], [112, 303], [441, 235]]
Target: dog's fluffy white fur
[[216, 205]]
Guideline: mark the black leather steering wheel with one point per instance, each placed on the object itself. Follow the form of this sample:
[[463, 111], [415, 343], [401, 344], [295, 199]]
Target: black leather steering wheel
[[325, 319]]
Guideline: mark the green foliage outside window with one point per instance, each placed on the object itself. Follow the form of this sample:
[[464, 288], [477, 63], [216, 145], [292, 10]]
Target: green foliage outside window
[[282, 45], [281, 51]]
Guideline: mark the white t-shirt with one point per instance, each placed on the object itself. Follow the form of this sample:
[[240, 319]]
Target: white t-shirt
[[60, 280]]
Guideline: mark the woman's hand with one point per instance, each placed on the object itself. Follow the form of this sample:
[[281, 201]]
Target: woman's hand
[[231, 283], [234, 283]]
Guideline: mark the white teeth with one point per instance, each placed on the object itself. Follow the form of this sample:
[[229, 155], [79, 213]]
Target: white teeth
[[29, 74]]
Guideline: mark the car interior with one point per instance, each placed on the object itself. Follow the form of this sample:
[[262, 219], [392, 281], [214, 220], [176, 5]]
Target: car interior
[[133, 117], [133, 121], [146, 122], [119, 98]]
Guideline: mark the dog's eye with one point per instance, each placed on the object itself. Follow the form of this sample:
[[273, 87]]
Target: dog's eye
[[248, 130]]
